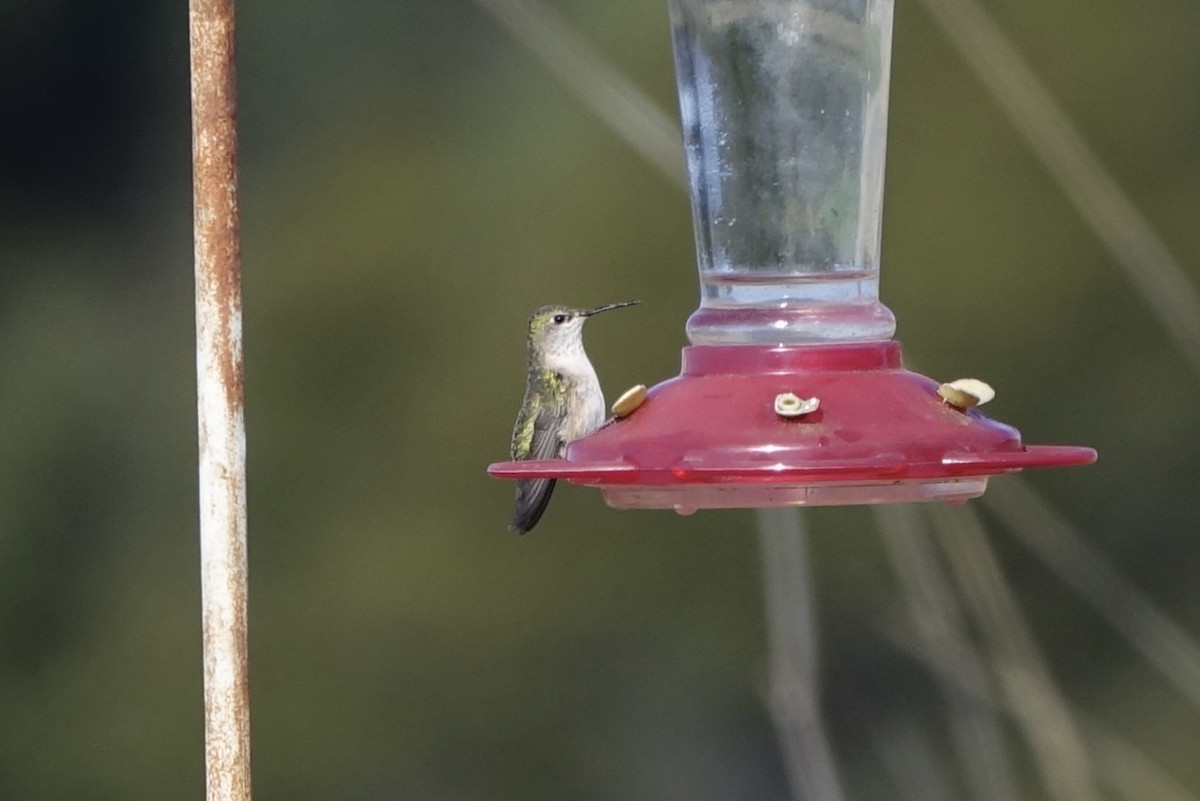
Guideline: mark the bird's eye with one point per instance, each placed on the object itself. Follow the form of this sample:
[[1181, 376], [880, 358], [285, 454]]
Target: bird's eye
[[560, 318]]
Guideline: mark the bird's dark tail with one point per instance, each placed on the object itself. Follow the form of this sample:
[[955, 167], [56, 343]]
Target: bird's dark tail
[[532, 497]]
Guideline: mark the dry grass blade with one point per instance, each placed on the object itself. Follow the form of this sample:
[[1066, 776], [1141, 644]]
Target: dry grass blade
[[1128, 771], [1042, 713], [794, 656], [962, 674], [623, 107], [1062, 150], [1059, 546], [1118, 763]]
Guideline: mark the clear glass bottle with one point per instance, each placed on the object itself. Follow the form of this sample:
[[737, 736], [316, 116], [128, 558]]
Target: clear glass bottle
[[784, 107]]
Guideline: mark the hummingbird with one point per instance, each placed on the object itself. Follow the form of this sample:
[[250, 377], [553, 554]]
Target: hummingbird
[[563, 400]]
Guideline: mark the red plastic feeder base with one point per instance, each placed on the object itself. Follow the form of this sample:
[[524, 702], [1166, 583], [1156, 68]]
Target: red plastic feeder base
[[711, 438]]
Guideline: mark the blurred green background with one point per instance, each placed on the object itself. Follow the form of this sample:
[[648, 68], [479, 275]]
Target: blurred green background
[[413, 184]]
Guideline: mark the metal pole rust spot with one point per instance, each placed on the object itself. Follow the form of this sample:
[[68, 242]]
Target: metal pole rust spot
[[221, 422]]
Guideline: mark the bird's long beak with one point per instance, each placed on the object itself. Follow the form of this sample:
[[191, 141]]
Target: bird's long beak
[[598, 309]]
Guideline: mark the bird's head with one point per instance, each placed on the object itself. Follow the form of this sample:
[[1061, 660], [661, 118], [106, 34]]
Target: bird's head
[[559, 328]]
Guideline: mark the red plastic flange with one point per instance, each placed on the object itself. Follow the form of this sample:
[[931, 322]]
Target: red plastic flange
[[711, 437]]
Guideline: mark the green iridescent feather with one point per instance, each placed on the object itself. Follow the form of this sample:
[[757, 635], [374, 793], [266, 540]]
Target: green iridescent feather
[[536, 435]]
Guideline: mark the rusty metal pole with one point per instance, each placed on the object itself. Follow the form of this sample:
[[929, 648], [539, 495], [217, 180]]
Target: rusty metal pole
[[222, 432]]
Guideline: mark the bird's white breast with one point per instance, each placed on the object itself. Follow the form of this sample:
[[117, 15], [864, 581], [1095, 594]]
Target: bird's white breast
[[585, 403]]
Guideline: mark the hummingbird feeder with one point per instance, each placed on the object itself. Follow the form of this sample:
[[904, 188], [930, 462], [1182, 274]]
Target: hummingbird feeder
[[792, 391]]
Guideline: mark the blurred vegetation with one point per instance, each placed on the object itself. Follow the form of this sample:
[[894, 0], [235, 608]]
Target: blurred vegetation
[[413, 183]]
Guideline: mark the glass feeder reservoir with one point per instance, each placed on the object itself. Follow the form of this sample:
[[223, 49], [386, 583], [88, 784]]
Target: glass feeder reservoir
[[784, 108], [792, 391]]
